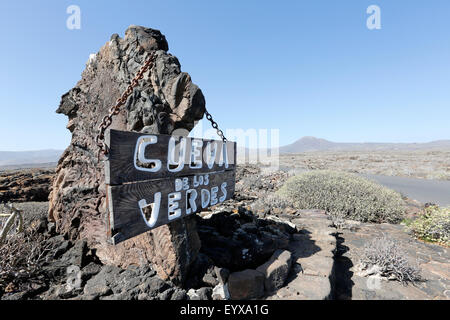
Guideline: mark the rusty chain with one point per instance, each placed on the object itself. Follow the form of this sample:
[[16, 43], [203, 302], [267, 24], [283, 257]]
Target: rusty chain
[[215, 126], [115, 109]]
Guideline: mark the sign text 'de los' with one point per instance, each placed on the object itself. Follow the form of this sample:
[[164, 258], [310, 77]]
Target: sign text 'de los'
[[155, 179]]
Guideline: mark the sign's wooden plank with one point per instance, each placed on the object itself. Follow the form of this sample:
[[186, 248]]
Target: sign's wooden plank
[[137, 207], [139, 157]]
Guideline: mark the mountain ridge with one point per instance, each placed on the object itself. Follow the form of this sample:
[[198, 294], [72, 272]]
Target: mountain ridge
[[311, 144], [304, 144], [8, 158]]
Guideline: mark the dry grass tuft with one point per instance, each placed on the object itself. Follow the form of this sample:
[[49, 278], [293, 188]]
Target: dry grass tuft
[[386, 255], [270, 201], [22, 257]]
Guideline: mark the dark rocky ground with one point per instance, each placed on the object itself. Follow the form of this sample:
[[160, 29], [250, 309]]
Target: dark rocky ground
[[433, 260], [25, 185], [250, 249], [233, 239]]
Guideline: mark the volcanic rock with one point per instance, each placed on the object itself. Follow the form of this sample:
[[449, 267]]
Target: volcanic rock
[[165, 100], [276, 270], [179, 294], [200, 294], [25, 185], [90, 270], [247, 284], [220, 292], [222, 274], [240, 241]]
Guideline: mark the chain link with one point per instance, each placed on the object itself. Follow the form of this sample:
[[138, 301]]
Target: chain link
[[215, 126], [115, 109]]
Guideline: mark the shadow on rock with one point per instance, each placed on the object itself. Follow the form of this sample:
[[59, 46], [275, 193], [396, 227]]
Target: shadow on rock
[[302, 246], [239, 241], [342, 284]]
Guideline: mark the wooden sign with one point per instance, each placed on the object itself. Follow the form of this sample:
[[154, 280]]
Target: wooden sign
[[152, 179]]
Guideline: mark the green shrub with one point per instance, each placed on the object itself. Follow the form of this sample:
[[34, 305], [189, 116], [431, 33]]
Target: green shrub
[[270, 201], [345, 194], [433, 225]]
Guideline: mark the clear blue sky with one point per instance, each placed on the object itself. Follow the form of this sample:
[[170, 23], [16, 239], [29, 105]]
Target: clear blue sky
[[306, 67]]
